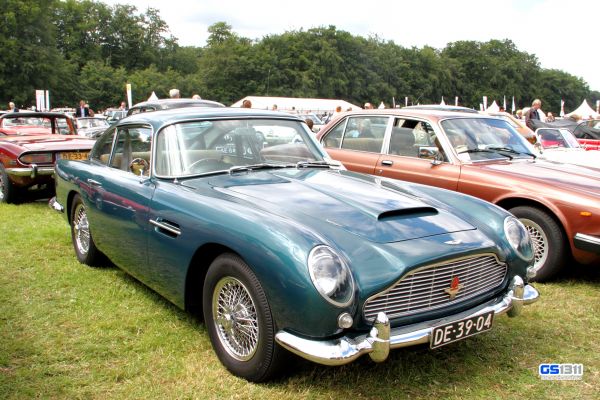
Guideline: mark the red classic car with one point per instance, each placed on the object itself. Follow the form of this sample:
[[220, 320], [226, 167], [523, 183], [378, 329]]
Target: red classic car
[[483, 156], [27, 161], [36, 123]]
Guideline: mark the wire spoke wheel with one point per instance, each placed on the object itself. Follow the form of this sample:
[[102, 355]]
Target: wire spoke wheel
[[235, 318], [539, 241], [2, 188], [81, 229]]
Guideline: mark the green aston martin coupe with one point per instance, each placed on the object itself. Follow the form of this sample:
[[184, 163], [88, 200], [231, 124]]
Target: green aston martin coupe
[[241, 214]]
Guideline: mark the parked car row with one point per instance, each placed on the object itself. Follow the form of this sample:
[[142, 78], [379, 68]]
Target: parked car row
[[390, 228]]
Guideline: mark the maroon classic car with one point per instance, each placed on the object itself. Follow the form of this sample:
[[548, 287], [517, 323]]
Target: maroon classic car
[[27, 161], [483, 156], [36, 123]]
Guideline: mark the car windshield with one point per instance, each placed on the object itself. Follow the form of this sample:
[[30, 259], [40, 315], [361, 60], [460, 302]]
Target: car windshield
[[26, 121], [551, 138], [477, 139], [211, 146], [84, 123], [314, 118]]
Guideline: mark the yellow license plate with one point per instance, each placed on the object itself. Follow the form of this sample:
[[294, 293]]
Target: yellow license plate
[[75, 155]]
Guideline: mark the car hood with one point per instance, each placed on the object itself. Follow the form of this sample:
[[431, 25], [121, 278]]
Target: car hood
[[348, 201], [547, 173], [50, 142], [576, 156]]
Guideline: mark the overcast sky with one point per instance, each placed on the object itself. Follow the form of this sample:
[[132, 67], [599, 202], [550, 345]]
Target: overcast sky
[[562, 34]]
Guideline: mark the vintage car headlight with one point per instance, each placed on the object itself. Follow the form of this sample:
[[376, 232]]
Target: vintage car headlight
[[331, 276], [518, 237]]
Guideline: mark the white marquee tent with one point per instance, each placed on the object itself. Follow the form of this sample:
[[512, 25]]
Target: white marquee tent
[[584, 111], [298, 104]]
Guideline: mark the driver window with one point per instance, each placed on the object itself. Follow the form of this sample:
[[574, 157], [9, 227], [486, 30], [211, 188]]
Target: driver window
[[101, 152], [132, 150], [413, 138]]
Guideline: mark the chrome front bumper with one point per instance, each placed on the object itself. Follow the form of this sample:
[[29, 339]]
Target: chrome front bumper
[[381, 338], [31, 171], [587, 242]]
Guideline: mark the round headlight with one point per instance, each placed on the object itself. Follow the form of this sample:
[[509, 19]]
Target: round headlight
[[331, 276], [518, 237]]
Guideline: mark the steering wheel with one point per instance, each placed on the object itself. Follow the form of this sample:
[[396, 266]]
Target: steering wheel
[[206, 165], [139, 166]]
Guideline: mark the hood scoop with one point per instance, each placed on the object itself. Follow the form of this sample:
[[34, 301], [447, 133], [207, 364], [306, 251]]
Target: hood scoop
[[415, 212]]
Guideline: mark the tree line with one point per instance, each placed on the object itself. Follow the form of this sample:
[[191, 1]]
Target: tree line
[[89, 50]]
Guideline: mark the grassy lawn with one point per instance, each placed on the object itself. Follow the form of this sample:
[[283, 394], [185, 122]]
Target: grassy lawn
[[69, 331]]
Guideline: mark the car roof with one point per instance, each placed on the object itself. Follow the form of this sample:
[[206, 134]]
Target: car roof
[[442, 107], [26, 114], [417, 113], [174, 103], [166, 117]]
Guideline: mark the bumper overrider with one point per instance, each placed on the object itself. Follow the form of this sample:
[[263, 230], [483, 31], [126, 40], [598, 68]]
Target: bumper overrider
[[55, 205], [381, 338]]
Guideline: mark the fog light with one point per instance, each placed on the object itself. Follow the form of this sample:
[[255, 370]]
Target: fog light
[[531, 272], [345, 320]]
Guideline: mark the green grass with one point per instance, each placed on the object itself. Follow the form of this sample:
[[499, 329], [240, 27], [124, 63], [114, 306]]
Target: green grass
[[68, 331]]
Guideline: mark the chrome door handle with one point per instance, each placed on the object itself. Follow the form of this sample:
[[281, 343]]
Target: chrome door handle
[[387, 162], [166, 227], [93, 182]]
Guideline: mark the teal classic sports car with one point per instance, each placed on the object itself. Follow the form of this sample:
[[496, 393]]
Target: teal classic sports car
[[241, 214]]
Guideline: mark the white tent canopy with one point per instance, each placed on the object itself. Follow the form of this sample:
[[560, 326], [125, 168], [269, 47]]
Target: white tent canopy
[[584, 111], [494, 107], [153, 96], [299, 104]]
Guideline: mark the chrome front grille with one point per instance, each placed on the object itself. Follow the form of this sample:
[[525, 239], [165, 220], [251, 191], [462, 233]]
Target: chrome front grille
[[427, 288]]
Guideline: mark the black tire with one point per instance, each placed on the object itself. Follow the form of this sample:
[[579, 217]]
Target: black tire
[[9, 193], [246, 347], [81, 236], [550, 246]]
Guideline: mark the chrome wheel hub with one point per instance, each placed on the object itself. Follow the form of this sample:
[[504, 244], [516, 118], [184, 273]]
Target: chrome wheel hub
[[2, 183], [81, 229], [235, 318], [539, 241]]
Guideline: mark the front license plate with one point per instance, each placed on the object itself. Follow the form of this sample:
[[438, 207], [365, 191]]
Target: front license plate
[[458, 330], [74, 155]]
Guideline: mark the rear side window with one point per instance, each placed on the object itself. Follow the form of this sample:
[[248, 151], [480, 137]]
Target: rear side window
[[364, 133]]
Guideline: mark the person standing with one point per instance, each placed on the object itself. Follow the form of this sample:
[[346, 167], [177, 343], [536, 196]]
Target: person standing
[[12, 107], [174, 94], [82, 110], [532, 114]]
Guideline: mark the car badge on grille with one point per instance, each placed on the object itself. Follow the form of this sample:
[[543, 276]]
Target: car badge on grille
[[454, 288]]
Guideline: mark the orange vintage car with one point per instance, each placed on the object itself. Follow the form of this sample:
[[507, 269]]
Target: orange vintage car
[[485, 157]]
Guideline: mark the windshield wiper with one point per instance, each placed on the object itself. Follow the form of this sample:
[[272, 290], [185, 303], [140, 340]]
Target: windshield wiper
[[254, 167], [510, 150], [313, 164], [476, 150]]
